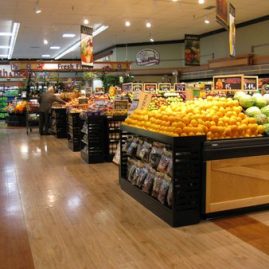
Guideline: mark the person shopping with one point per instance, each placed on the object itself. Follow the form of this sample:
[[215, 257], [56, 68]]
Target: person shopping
[[46, 100]]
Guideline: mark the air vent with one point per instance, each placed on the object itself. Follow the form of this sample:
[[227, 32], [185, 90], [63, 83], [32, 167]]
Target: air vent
[[34, 47], [210, 7]]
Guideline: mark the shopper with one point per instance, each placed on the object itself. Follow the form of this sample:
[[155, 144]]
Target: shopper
[[46, 100]]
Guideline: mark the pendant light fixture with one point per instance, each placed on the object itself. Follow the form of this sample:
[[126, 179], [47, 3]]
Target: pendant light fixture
[[37, 7]]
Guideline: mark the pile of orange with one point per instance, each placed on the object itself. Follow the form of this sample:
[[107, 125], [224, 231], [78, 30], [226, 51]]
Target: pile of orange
[[215, 117]]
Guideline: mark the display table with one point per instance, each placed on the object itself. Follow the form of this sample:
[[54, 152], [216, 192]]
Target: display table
[[210, 178]]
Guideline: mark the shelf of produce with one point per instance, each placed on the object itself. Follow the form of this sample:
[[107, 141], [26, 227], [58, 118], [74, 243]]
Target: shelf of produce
[[236, 176], [186, 177]]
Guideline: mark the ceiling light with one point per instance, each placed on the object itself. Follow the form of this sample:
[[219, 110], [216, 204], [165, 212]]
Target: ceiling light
[[55, 47], [4, 47], [77, 43], [86, 21], [174, 0], [127, 23], [15, 31], [151, 39], [68, 35], [148, 24], [45, 56], [3, 56], [46, 42], [207, 21], [37, 8], [5, 34], [201, 2]]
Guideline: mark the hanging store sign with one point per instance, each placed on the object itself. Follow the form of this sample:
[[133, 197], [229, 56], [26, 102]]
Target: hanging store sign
[[147, 57], [192, 50], [222, 12], [232, 82], [150, 87], [86, 46], [232, 30], [127, 87], [251, 83], [68, 66]]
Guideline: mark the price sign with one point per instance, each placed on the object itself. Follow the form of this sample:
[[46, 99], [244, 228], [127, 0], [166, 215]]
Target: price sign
[[144, 100], [165, 87], [228, 83], [251, 83], [150, 87], [180, 87], [121, 105], [127, 87], [137, 87]]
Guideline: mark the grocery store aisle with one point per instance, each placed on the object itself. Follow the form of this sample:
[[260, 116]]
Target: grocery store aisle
[[59, 212]]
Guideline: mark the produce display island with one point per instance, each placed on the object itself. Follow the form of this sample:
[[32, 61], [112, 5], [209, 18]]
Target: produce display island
[[209, 178]]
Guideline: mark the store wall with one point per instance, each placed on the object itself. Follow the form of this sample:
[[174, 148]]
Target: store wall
[[172, 55]]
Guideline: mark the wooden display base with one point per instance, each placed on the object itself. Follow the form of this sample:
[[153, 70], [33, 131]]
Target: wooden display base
[[237, 183]]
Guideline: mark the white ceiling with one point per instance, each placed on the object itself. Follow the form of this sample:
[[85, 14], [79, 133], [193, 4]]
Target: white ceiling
[[170, 21]]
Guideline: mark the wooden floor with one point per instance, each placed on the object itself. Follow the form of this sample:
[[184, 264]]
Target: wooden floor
[[59, 212]]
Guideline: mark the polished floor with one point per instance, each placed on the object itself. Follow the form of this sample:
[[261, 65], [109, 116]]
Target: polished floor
[[57, 212]]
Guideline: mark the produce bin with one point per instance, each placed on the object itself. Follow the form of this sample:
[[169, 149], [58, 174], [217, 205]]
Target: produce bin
[[237, 176]]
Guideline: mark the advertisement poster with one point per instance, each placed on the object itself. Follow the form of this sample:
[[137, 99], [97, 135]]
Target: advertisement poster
[[232, 30], [137, 87], [86, 46], [192, 50], [235, 82], [222, 12]]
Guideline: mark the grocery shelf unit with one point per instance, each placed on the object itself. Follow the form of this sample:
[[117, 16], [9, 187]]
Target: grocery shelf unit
[[186, 179], [93, 139], [16, 119], [59, 122], [74, 126], [237, 176], [113, 135]]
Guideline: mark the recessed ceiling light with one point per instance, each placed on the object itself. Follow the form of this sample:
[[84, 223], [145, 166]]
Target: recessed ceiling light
[[201, 2], [37, 8], [151, 40], [174, 0], [55, 47], [4, 47], [148, 24], [3, 56], [127, 23], [46, 42], [207, 21], [86, 21], [5, 34], [45, 56], [68, 35]]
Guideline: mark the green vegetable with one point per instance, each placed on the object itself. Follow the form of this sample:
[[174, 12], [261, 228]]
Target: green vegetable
[[266, 127], [246, 101], [265, 110], [238, 95], [260, 102], [253, 111], [261, 119]]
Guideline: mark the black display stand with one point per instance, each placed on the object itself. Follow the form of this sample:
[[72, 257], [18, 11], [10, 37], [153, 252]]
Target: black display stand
[[74, 126], [113, 135], [59, 122], [16, 119], [187, 177], [93, 139]]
